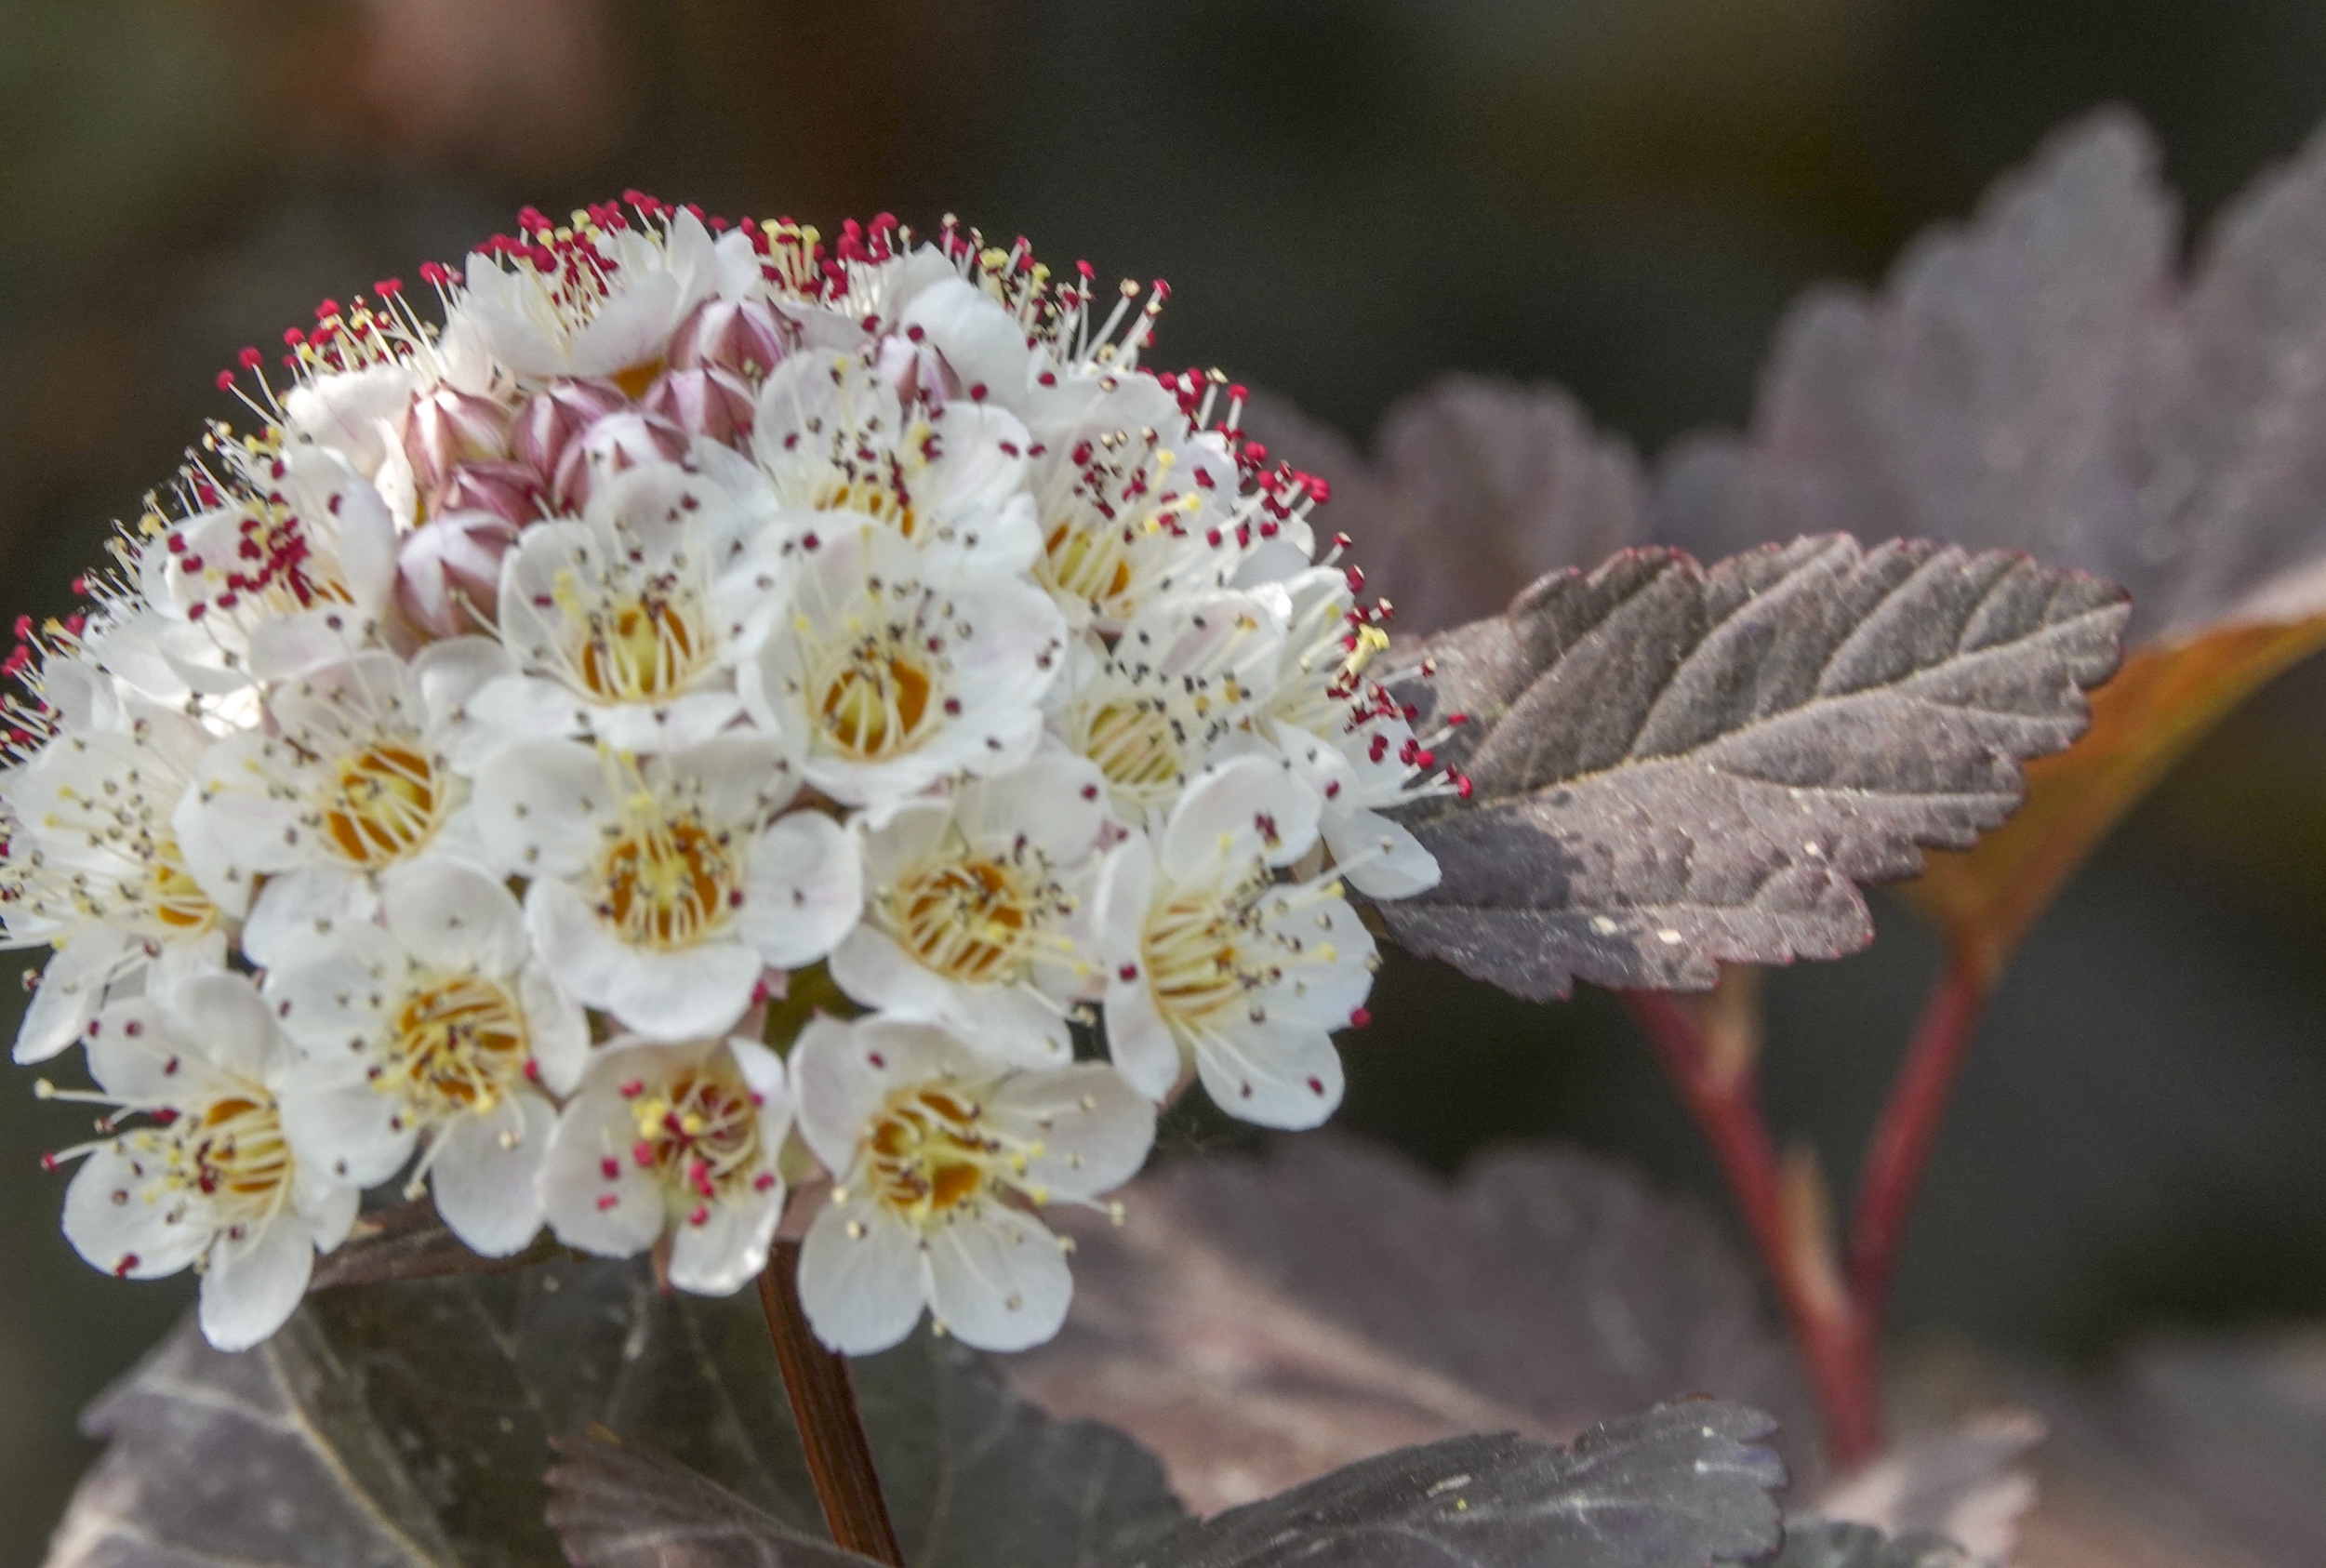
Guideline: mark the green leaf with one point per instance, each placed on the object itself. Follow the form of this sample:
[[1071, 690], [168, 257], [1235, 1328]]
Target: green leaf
[[405, 1425]]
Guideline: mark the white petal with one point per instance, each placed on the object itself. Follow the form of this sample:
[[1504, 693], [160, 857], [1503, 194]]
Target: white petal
[[538, 805], [729, 1248], [1055, 803], [329, 1001], [109, 1221], [454, 918], [842, 1073], [1283, 1074], [254, 1285], [614, 1215], [486, 1174], [998, 1281], [557, 1026], [1251, 805], [300, 910], [1094, 1128], [863, 1291], [1381, 859], [1139, 1042], [730, 778], [344, 1127], [802, 889], [72, 986], [225, 1019], [690, 993]]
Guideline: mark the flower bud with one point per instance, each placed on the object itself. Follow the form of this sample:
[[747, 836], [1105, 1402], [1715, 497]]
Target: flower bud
[[713, 404], [618, 442], [511, 491], [448, 572], [551, 423], [444, 428], [743, 336]]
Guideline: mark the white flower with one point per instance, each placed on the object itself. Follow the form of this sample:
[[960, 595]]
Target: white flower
[[1349, 737], [356, 777], [890, 678], [934, 1148], [291, 565], [601, 297], [663, 886], [211, 1180], [627, 624], [832, 435], [1133, 505], [438, 1022], [976, 909], [1212, 962], [1189, 673], [93, 866], [678, 1139]]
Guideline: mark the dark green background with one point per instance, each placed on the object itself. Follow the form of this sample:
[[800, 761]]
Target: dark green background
[[1618, 194]]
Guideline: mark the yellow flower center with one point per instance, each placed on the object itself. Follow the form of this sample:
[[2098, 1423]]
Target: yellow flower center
[[176, 900], [1086, 563], [667, 883], [1136, 743], [388, 802], [971, 920], [699, 1134], [875, 703], [645, 650], [1189, 947], [928, 1154], [459, 1047]]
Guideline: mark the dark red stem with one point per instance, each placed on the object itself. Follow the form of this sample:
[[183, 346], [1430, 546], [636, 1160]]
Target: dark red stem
[[1831, 1332], [1900, 1147], [824, 1407]]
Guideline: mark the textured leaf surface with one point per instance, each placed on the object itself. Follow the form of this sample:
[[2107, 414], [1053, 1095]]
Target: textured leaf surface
[[408, 1241], [1679, 1487], [1678, 766], [2044, 379], [1682, 1486], [1475, 486], [1816, 1543], [1258, 1323], [615, 1504], [408, 1424]]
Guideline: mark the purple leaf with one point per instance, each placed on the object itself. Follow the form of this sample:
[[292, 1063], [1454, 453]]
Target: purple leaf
[[1677, 766], [1258, 1323], [615, 1504]]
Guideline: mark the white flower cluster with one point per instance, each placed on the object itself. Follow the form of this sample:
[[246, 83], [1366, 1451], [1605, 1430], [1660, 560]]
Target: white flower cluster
[[466, 774]]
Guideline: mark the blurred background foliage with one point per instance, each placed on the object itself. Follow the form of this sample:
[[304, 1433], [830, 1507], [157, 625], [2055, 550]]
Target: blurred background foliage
[[1348, 196]]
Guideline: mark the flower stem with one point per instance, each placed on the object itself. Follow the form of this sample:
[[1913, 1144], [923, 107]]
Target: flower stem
[[1783, 1213], [1900, 1147], [824, 1407]]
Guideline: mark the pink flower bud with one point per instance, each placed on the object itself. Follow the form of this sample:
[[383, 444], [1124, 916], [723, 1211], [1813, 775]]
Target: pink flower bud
[[916, 369], [444, 429], [618, 442], [509, 491], [448, 572], [713, 404], [744, 337], [551, 423]]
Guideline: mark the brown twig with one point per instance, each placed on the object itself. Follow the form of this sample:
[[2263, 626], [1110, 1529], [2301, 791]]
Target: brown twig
[[1785, 1214], [1900, 1148], [824, 1407]]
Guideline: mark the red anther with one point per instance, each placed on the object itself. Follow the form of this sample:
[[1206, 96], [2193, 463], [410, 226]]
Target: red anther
[[1255, 452], [876, 1059], [1461, 786], [388, 289], [641, 1153], [24, 629], [1316, 1086], [763, 1181], [977, 391], [226, 380], [1457, 719], [610, 1168], [293, 335], [1320, 488], [1360, 1016], [122, 1269], [1340, 542], [532, 1071], [701, 1215], [1356, 579], [606, 1200], [632, 1089], [49, 1163], [326, 308], [1128, 973], [74, 622]]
